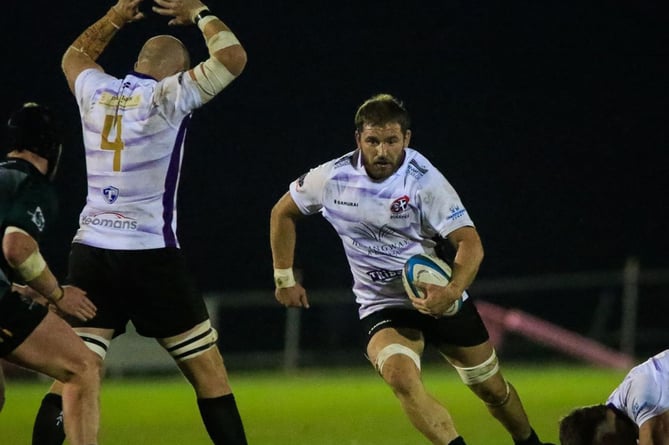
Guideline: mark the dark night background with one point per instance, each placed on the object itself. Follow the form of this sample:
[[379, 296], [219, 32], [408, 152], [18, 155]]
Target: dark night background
[[549, 118]]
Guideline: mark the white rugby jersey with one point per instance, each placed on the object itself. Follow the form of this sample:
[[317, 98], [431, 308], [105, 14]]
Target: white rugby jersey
[[644, 393], [134, 130], [381, 223]]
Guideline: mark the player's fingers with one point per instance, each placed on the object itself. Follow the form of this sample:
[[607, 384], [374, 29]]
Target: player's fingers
[[304, 301]]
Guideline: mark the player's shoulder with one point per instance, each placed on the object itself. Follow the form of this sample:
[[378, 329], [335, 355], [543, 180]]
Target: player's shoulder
[[338, 164], [418, 167], [347, 160]]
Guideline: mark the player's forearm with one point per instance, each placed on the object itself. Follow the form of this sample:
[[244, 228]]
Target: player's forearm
[[221, 42], [466, 264], [96, 37], [282, 242]]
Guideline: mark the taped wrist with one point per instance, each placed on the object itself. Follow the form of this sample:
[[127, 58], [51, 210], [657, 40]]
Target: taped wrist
[[284, 278], [57, 294]]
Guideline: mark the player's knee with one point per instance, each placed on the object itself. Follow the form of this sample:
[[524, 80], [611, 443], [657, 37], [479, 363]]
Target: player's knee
[[399, 366], [480, 373], [85, 371], [199, 340], [96, 343], [486, 381]]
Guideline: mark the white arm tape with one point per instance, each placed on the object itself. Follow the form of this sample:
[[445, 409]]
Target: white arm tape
[[221, 40], [203, 22], [33, 266], [211, 77]]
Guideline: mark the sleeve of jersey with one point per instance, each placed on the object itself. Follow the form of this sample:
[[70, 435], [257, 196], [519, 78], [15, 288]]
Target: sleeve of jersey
[[646, 398], [32, 210], [87, 83], [177, 96], [307, 190], [441, 206]]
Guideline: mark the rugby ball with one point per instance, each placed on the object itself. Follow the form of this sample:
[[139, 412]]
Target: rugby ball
[[427, 269]]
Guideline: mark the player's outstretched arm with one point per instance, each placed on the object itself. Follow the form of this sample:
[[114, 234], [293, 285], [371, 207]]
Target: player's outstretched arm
[[227, 56], [86, 49]]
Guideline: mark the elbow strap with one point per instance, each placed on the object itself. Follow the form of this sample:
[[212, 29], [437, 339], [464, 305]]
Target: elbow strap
[[32, 267]]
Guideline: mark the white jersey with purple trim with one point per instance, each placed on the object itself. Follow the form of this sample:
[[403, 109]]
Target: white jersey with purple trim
[[134, 130], [381, 223], [644, 393]]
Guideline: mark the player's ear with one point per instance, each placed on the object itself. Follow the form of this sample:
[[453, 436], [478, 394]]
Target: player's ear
[[407, 138]]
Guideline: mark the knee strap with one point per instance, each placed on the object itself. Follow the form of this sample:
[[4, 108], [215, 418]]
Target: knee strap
[[201, 339], [95, 343], [392, 349], [479, 373]]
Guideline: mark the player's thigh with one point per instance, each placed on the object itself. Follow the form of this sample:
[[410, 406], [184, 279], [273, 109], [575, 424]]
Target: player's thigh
[[169, 303], [467, 356], [382, 339], [53, 348]]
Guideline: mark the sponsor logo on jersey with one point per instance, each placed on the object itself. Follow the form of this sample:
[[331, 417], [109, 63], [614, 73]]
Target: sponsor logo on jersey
[[400, 205], [399, 209], [345, 203], [415, 170], [379, 241], [37, 217], [110, 193], [384, 275], [109, 220], [456, 212], [114, 101], [346, 160]]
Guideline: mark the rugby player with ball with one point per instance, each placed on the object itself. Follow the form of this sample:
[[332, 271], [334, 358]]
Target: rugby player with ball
[[388, 203]]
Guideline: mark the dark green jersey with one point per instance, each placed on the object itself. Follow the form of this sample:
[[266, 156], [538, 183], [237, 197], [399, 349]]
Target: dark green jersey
[[27, 201]]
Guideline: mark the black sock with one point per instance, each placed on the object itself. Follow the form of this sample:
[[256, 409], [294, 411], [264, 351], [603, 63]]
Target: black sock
[[532, 440], [457, 441], [222, 420], [48, 427]]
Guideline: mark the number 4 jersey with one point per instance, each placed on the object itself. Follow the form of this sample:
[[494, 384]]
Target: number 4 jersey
[[134, 130]]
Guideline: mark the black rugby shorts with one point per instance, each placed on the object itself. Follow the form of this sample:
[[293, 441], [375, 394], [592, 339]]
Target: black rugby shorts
[[151, 288], [18, 319], [465, 328]]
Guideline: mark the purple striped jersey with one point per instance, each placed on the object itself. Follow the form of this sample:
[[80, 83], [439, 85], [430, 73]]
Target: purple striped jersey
[[134, 130], [381, 223]]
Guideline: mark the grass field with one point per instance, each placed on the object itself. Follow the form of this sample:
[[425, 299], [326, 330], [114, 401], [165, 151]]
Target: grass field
[[315, 407]]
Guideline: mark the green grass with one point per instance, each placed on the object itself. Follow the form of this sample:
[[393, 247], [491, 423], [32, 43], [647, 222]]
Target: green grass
[[315, 407]]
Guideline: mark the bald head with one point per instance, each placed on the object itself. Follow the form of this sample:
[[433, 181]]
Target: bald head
[[162, 56]]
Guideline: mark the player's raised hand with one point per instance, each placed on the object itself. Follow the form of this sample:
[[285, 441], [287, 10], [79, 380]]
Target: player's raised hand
[[183, 11], [75, 302], [128, 10], [294, 296]]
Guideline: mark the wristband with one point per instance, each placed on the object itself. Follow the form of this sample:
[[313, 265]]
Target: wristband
[[284, 278], [57, 294], [201, 14]]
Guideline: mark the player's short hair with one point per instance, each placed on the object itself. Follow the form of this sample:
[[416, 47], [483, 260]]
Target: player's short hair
[[582, 425], [380, 110], [33, 127], [579, 426]]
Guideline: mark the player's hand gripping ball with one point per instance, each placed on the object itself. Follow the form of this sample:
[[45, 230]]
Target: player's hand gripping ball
[[427, 269]]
